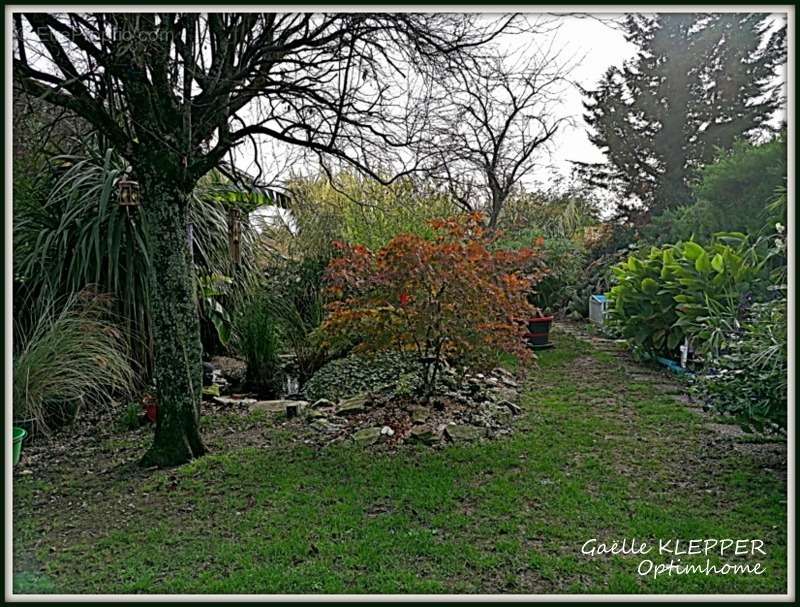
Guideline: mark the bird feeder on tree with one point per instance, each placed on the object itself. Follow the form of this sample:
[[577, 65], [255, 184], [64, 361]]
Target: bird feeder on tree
[[129, 193]]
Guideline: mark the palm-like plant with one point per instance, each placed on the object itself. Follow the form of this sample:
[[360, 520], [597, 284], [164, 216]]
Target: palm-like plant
[[80, 235]]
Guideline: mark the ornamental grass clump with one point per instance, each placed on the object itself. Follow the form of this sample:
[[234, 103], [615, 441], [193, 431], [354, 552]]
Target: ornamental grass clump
[[71, 354]]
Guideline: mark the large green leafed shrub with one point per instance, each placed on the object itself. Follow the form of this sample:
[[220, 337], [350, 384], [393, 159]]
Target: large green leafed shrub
[[685, 290]]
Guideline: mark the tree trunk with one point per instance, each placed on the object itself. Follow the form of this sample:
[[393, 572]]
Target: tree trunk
[[176, 325], [496, 208]]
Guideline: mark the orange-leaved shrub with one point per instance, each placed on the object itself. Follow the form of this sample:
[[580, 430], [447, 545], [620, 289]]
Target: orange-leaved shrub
[[454, 297]]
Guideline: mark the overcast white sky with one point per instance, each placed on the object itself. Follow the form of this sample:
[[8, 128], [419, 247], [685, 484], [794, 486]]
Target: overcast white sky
[[597, 45], [595, 38]]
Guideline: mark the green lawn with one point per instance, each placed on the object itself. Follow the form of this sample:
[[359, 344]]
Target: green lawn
[[604, 450]]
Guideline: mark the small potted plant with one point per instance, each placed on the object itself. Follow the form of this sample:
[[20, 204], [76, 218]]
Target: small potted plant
[[19, 435]]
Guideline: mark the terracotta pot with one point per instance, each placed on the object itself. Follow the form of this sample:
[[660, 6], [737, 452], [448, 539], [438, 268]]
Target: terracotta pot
[[539, 331]]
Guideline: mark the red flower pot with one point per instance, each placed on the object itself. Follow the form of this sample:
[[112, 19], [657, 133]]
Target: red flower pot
[[539, 331], [151, 410]]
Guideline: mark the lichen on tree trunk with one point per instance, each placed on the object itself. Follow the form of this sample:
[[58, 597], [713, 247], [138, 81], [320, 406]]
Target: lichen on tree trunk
[[176, 326]]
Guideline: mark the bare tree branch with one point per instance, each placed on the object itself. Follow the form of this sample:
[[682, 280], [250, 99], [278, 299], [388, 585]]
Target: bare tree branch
[[490, 125]]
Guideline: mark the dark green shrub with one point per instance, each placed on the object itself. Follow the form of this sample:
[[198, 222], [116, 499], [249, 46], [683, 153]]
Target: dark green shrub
[[734, 189], [561, 219], [565, 261], [730, 195], [360, 373], [685, 222], [749, 380], [295, 300]]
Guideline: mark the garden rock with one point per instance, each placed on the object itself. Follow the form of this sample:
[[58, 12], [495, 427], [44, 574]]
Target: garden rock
[[356, 404], [503, 374], [480, 397], [367, 436], [511, 383], [231, 369], [229, 401], [325, 426], [419, 415], [277, 406], [502, 394], [491, 416], [312, 414], [515, 409], [466, 407], [464, 433], [459, 397], [424, 435], [448, 380]]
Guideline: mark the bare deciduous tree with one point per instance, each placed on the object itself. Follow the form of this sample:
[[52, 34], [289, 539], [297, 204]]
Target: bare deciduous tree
[[493, 124]]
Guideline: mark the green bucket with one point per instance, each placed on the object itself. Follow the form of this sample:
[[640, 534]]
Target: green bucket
[[19, 436]]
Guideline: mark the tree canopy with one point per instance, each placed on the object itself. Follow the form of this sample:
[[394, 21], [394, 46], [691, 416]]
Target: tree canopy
[[698, 82]]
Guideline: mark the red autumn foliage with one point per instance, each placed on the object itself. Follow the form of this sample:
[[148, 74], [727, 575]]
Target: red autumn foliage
[[455, 297]]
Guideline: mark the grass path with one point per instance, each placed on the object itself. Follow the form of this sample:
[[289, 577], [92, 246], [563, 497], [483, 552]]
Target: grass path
[[605, 449]]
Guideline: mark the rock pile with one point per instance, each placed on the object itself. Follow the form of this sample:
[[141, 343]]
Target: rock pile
[[466, 409]]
